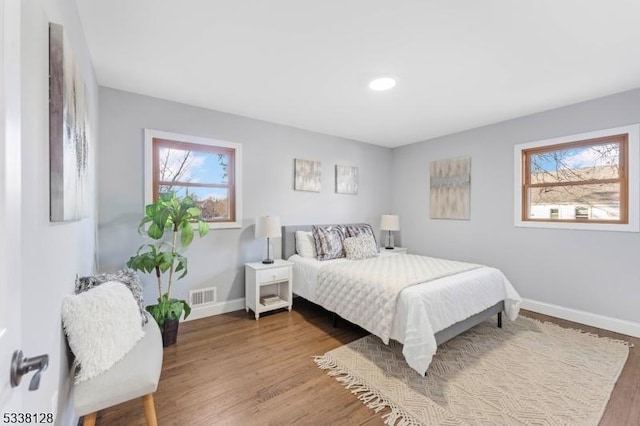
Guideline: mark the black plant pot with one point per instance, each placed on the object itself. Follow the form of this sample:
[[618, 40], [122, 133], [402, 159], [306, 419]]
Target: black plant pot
[[170, 332]]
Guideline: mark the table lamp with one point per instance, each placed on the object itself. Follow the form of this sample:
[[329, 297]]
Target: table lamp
[[390, 222], [268, 227]]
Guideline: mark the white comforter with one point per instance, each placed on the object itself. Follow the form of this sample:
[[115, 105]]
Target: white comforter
[[424, 309], [365, 292]]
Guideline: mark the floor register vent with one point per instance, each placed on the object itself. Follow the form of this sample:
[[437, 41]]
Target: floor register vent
[[202, 296]]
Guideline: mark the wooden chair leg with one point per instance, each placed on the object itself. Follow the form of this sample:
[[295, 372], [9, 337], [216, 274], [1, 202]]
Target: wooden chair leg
[[150, 410], [90, 419]]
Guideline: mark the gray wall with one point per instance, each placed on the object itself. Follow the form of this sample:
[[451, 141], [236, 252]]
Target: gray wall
[[593, 271], [268, 150]]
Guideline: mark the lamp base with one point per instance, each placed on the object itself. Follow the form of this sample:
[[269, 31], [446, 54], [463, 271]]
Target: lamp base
[[389, 248], [267, 261]]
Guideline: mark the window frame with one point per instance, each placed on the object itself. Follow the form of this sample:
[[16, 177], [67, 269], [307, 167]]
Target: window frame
[[628, 178], [622, 179], [198, 144]]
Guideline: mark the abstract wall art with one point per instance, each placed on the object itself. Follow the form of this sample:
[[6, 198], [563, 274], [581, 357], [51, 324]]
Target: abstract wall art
[[68, 132], [307, 175], [450, 188], [346, 179]]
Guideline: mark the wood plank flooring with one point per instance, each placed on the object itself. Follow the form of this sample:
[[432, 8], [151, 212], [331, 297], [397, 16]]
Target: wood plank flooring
[[232, 370]]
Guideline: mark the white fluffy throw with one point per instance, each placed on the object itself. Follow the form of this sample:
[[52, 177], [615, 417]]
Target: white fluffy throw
[[102, 325]]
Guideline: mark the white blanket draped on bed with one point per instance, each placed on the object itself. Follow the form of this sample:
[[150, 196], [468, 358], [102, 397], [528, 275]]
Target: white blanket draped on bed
[[422, 309], [365, 292]]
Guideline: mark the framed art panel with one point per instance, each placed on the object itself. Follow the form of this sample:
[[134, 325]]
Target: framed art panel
[[307, 175], [450, 188], [346, 179], [68, 132]]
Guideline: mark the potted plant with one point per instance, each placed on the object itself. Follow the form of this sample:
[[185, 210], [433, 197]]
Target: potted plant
[[168, 220]]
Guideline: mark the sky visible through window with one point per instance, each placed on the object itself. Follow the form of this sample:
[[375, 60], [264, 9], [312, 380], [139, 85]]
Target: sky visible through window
[[198, 167], [576, 158], [194, 167]]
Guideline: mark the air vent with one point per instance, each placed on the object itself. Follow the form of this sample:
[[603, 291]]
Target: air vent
[[202, 296]]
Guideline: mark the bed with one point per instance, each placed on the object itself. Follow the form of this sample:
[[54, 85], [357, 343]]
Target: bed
[[424, 315]]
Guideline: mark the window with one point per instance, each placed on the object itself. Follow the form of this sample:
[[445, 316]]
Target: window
[[207, 170], [587, 181], [584, 176]]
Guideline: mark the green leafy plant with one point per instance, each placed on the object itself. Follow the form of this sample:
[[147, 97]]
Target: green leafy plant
[[168, 220]]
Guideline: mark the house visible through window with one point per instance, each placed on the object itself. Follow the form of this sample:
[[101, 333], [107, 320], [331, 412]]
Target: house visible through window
[[578, 181], [205, 170], [584, 181], [583, 213]]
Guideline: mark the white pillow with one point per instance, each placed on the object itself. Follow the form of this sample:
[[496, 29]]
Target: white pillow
[[362, 247], [102, 325], [305, 244]]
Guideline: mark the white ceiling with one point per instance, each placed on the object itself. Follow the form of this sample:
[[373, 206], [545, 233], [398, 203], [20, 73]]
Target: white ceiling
[[460, 64]]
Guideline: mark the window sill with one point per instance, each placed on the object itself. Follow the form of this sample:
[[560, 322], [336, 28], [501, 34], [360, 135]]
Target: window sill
[[629, 227], [225, 225]]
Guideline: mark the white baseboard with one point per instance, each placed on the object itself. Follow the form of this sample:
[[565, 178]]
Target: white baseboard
[[616, 325], [216, 309]]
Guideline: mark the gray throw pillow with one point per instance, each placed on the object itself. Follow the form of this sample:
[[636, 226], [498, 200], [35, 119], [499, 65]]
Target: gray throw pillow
[[328, 241], [359, 230]]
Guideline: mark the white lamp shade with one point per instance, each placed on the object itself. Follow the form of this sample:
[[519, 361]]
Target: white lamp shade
[[390, 222], [268, 227]]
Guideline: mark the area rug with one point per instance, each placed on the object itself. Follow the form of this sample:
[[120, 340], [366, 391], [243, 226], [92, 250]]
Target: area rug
[[526, 373]]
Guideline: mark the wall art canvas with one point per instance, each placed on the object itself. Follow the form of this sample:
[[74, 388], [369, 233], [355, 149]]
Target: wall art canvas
[[307, 175], [451, 188], [68, 132], [346, 179]]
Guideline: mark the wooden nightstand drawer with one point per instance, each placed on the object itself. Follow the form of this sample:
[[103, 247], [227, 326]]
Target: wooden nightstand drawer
[[273, 275]]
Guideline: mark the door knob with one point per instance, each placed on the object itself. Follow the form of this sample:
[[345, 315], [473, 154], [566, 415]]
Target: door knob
[[21, 365]]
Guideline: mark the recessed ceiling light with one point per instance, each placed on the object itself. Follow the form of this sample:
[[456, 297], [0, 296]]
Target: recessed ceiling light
[[382, 83]]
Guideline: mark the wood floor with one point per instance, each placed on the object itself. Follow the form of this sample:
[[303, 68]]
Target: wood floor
[[232, 370]]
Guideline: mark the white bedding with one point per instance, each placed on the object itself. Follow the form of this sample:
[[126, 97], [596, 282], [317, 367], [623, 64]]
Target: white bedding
[[366, 292], [424, 309]]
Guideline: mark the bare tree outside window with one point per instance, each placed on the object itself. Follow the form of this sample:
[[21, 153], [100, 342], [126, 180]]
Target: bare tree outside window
[[577, 181], [201, 172], [175, 165]]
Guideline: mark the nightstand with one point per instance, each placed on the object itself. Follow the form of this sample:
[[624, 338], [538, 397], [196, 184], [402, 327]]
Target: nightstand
[[395, 250], [268, 286]]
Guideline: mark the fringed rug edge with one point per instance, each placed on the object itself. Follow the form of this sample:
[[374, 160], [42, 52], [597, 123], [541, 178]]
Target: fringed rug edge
[[369, 396]]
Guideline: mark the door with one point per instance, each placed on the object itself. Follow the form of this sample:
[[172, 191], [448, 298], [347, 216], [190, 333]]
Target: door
[[10, 201]]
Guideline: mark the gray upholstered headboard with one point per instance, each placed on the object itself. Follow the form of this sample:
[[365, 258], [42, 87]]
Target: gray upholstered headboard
[[289, 237]]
